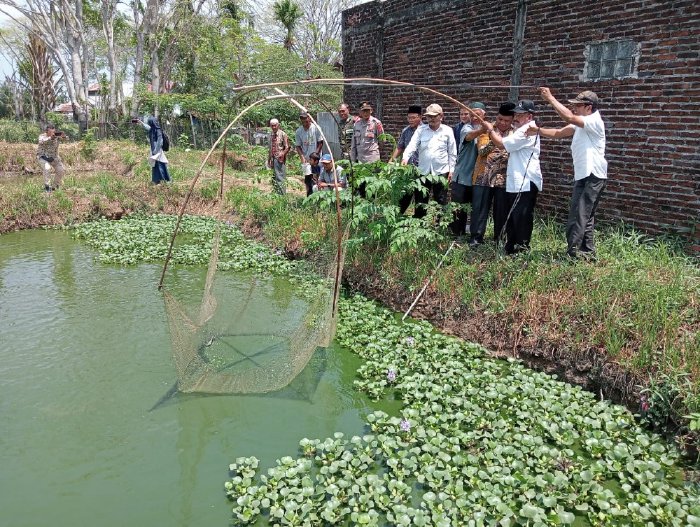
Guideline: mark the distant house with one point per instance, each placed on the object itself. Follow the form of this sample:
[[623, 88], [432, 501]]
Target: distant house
[[66, 110], [95, 99]]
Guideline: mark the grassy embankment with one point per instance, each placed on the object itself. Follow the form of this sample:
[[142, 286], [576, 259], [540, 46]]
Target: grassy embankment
[[629, 319]]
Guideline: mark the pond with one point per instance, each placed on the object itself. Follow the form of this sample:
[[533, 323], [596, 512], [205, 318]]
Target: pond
[[90, 434], [94, 432]]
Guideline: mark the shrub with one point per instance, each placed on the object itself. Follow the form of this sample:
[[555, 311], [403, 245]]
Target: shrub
[[88, 147], [19, 131]]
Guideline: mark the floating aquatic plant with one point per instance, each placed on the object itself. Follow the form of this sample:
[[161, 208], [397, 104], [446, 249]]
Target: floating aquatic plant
[[478, 442]]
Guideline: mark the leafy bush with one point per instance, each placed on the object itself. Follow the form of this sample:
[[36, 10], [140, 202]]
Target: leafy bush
[[88, 147], [19, 131], [377, 218]]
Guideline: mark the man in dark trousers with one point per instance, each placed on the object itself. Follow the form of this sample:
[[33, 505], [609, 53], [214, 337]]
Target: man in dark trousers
[[587, 129], [523, 177], [461, 184], [413, 116], [490, 180]]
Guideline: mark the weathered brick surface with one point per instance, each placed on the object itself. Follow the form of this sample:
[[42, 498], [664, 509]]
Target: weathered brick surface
[[653, 141]]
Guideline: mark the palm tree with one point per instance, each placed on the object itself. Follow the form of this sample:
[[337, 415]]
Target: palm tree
[[288, 13]]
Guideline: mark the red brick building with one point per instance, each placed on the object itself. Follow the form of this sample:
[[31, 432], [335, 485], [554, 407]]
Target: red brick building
[[641, 57]]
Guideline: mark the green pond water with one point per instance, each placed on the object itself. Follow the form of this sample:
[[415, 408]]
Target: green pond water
[[89, 433]]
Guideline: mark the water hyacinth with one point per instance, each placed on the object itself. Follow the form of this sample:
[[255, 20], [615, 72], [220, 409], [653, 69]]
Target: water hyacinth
[[391, 375], [644, 403], [410, 341], [477, 442]]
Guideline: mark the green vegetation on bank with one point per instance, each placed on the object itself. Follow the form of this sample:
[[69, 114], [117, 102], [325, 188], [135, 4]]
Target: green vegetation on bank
[[636, 306]]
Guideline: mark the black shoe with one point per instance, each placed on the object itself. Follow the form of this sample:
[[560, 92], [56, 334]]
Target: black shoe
[[47, 188], [54, 188]]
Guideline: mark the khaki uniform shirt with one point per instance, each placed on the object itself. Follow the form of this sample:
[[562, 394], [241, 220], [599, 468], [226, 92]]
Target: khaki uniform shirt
[[365, 145]]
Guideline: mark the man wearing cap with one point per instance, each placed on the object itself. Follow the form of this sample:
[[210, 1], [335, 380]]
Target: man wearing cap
[[364, 147], [490, 179], [590, 166], [277, 157], [414, 121], [330, 176], [437, 153], [346, 123], [523, 176], [307, 140], [461, 185]]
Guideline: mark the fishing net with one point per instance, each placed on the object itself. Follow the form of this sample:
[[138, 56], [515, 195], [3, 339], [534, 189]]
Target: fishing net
[[251, 331]]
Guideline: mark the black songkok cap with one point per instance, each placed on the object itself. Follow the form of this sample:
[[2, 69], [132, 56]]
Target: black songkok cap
[[506, 108], [415, 109]]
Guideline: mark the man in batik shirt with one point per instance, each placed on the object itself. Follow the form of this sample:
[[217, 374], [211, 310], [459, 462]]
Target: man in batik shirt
[[490, 180]]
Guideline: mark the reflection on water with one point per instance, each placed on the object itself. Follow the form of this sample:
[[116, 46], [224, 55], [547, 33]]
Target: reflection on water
[[85, 354]]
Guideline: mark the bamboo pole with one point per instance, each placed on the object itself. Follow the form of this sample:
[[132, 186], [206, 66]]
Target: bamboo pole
[[199, 173], [371, 81], [223, 166], [336, 284], [427, 282]]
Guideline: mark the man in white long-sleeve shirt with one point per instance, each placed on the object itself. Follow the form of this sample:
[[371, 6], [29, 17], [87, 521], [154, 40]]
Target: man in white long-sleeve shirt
[[437, 154], [523, 175]]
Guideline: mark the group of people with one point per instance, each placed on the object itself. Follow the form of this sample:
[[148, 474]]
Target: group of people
[[359, 142], [492, 164], [48, 158]]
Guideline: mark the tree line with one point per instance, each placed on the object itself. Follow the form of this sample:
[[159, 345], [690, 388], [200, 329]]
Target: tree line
[[135, 56]]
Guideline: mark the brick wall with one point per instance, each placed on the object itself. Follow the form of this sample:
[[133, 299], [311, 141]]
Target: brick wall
[[653, 133]]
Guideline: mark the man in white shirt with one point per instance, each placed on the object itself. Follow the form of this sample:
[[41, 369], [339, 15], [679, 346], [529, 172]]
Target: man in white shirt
[[307, 140], [523, 176], [590, 167], [437, 153]]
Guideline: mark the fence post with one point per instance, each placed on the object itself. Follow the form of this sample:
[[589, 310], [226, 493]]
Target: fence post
[[194, 138]]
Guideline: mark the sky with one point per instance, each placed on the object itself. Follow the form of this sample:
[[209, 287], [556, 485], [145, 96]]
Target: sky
[[5, 68]]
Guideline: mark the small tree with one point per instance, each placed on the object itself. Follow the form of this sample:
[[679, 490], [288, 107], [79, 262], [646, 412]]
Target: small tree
[[288, 13]]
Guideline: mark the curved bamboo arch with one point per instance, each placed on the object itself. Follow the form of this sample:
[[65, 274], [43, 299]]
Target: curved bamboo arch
[[370, 81], [199, 173], [282, 95]]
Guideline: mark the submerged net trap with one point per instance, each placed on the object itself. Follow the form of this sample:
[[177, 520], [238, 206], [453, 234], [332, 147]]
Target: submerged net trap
[[246, 333]]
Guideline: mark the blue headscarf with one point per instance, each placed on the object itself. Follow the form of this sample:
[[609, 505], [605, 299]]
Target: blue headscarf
[[155, 135]]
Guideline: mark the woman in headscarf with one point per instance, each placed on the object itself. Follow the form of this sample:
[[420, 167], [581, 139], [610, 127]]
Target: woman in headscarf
[[157, 159]]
